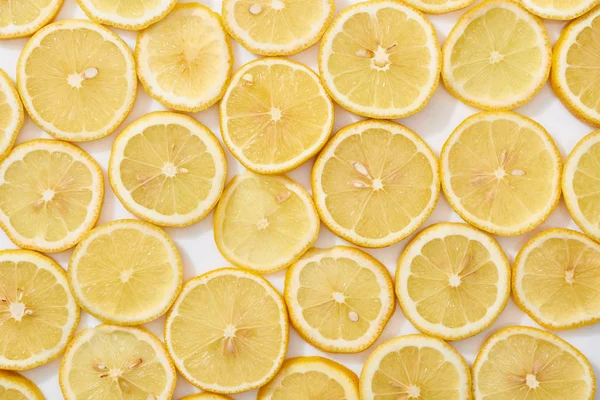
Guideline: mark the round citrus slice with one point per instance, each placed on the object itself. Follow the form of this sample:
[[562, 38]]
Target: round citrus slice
[[501, 172], [307, 378], [185, 60], [581, 184], [24, 17], [126, 272], [77, 80], [132, 15], [339, 299], [206, 396], [116, 362], [38, 313], [50, 195], [16, 387], [380, 59], [375, 183], [522, 362], [277, 27], [439, 6], [275, 115], [557, 281], [415, 367], [228, 331], [575, 77], [497, 56], [452, 281], [168, 169], [264, 223], [558, 9], [11, 114]]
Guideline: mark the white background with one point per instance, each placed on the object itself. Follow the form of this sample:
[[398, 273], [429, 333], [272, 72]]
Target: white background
[[434, 123]]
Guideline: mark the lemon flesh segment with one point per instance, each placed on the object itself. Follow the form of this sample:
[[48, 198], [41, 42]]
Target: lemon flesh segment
[[558, 9], [185, 60], [452, 281], [339, 299], [439, 6], [521, 360], [415, 366], [380, 59], [11, 114], [50, 195], [16, 387], [114, 362], [168, 169], [131, 15], [38, 313], [375, 183], [77, 80], [275, 115], [497, 56], [264, 223], [126, 272], [501, 172], [227, 331], [306, 378], [280, 27], [21, 18]]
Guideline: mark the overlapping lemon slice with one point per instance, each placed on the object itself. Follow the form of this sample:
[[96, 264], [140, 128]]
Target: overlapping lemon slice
[[132, 15], [20, 18], [11, 114], [558, 9], [439, 6], [16, 387]]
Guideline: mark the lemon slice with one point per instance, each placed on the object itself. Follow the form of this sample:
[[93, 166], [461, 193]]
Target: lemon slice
[[168, 169], [77, 80], [132, 15], [16, 387], [277, 27], [415, 367], [558, 9], [275, 115], [574, 67], [50, 195], [307, 378], [452, 281], [264, 223], [521, 362], [380, 59], [501, 172], [37, 311], [581, 184], [439, 6], [339, 299], [11, 114], [24, 17], [184, 61], [206, 396], [115, 362], [228, 331], [126, 272], [497, 56], [375, 183]]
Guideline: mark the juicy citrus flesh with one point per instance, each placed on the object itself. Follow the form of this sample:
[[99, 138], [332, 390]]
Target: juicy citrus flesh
[[16, 387], [132, 14], [11, 114], [227, 331], [19, 18], [380, 59], [439, 6], [275, 115], [501, 172], [558, 9]]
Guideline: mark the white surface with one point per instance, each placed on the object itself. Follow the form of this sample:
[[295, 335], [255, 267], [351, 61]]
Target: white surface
[[434, 124]]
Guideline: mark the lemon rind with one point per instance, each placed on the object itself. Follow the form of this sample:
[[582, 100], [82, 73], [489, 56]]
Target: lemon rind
[[130, 24], [12, 98], [552, 13], [13, 381], [21, 31]]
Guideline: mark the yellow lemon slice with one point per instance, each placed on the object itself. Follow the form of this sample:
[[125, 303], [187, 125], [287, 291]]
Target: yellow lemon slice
[[380, 59], [275, 115], [228, 331], [339, 299], [116, 362], [16, 387], [185, 60], [497, 56], [38, 312], [501, 172], [132, 15], [168, 169], [375, 183], [518, 361], [452, 281], [126, 272], [558, 9], [11, 114], [77, 80], [206, 396], [50, 195], [21, 18], [439, 6], [264, 223], [307, 378], [415, 367]]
